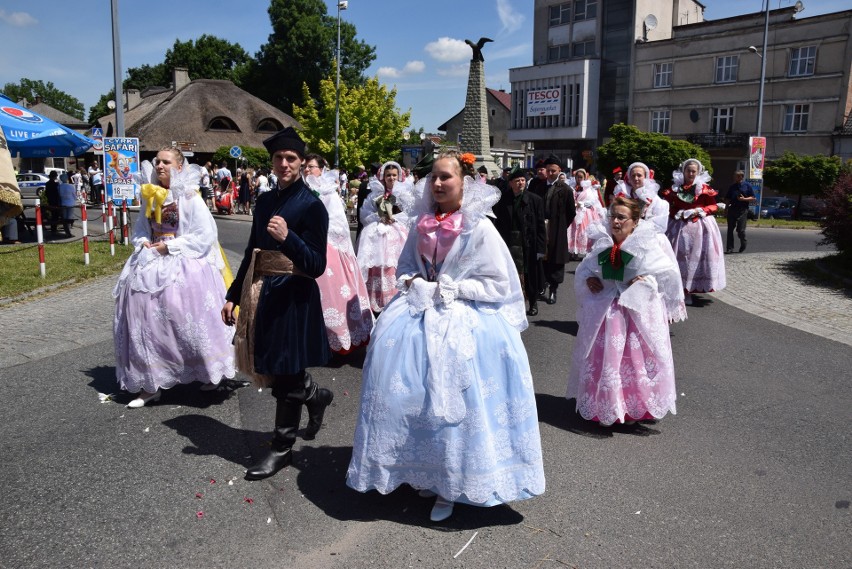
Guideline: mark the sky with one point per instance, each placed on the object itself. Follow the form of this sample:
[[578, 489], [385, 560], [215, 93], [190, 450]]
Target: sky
[[419, 45]]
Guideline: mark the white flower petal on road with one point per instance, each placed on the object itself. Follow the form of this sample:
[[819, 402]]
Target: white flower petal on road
[[104, 397], [147, 430], [637, 513]]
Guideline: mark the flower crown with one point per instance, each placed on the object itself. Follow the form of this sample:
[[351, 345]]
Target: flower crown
[[468, 159]]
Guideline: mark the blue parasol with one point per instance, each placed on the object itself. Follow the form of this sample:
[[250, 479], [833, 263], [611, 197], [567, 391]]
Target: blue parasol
[[31, 135]]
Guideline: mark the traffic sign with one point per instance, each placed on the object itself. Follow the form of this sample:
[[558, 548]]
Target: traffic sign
[[98, 137], [235, 152]]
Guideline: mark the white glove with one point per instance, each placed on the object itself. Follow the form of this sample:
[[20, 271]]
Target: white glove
[[448, 289], [701, 212], [421, 295]]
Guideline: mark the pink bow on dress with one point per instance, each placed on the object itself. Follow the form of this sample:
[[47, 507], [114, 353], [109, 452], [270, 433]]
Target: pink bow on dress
[[437, 237]]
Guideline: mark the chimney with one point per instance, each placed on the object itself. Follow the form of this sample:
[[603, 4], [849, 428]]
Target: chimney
[[133, 98], [37, 99], [180, 78]]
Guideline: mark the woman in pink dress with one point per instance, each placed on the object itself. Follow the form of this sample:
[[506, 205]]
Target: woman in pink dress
[[386, 225], [628, 289], [345, 306], [589, 208], [692, 230]]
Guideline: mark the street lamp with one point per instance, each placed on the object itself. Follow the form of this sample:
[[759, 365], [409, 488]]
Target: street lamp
[[341, 5]]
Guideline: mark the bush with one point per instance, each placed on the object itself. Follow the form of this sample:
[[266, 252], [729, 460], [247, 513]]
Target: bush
[[837, 226]]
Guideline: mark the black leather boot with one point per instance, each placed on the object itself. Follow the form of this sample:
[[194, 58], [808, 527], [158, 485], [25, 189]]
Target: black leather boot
[[317, 403], [551, 298], [288, 413]]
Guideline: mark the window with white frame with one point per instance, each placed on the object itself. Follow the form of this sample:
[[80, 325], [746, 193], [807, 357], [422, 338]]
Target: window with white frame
[[584, 48], [796, 117], [723, 120], [802, 61], [585, 10], [726, 68], [560, 14], [559, 52], [662, 75], [661, 121]]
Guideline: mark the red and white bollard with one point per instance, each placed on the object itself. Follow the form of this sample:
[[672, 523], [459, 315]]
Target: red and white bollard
[[126, 239], [103, 211], [40, 238], [110, 231], [84, 217]]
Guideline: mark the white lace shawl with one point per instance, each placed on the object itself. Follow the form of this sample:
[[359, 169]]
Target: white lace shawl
[[701, 180], [326, 185], [477, 276], [196, 237], [661, 289], [656, 210], [404, 193]]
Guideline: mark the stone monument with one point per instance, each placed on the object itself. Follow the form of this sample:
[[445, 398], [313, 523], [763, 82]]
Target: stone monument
[[474, 134]]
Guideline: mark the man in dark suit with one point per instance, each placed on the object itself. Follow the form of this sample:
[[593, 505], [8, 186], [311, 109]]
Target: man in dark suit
[[281, 330], [520, 222], [538, 185], [559, 210]]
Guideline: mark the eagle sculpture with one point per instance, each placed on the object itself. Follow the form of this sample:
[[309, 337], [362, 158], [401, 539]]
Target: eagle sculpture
[[477, 48]]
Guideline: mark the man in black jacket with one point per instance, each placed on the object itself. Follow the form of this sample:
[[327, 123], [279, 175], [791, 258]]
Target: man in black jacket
[[281, 330], [520, 222], [559, 210]]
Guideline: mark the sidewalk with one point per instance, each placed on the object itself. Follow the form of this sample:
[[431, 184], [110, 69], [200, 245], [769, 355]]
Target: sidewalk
[[757, 284]]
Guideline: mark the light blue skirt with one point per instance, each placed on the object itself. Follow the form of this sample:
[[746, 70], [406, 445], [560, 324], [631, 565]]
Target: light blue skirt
[[491, 456]]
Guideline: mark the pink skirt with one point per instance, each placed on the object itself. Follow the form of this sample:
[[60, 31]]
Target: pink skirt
[[626, 375], [345, 304]]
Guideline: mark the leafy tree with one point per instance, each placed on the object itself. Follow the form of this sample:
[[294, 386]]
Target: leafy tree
[[301, 49], [60, 100], [254, 157], [801, 175], [837, 226], [661, 153], [100, 109], [208, 57], [370, 125]]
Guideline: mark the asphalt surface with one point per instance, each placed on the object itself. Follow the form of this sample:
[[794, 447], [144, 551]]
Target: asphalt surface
[[753, 471]]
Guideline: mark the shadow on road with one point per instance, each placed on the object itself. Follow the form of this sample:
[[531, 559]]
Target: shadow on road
[[569, 327], [211, 437], [322, 480], [560, 413], [104, 381]]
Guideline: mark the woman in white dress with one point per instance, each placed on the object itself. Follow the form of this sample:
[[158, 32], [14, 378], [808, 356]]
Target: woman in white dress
[[447, 404]]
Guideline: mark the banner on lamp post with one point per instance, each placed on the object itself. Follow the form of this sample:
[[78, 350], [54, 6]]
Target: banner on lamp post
[[121, 157], [756, 157]]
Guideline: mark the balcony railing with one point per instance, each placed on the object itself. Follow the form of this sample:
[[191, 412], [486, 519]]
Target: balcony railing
[[716, 140]]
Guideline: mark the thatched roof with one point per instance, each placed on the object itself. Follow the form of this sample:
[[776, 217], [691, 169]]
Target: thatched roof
[[188, 114]]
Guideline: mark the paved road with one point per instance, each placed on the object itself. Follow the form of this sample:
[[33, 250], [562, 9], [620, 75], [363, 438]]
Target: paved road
[[752, 472]]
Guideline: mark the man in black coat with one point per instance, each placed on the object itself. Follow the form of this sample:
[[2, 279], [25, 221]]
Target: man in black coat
[[538, 185], [520, 222], [290, 227], [559, 209]]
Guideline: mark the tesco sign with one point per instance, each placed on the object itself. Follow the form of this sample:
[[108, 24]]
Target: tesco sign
[[544, 102]]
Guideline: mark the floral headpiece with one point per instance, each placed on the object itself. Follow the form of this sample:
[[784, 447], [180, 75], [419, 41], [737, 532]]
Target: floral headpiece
[[468, 159]]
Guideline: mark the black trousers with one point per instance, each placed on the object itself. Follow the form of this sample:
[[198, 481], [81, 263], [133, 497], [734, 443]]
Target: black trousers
[[737, 222], [554, 274]]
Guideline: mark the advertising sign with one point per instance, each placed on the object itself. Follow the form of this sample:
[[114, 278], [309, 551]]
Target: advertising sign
[[121, 163], [756, 157], [544, 102]]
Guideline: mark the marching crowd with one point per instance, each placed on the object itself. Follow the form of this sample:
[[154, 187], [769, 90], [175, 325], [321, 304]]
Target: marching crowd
[[445, 271]]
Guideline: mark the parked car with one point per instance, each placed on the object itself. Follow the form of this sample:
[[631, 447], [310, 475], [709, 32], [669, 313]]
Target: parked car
[[777, 208], [30, 184], [813, 209]]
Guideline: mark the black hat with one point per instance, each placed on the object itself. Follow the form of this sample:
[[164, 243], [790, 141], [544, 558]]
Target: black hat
[[516, 172], [287, 139], [422, 168], [539, 164], [553, 160]]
